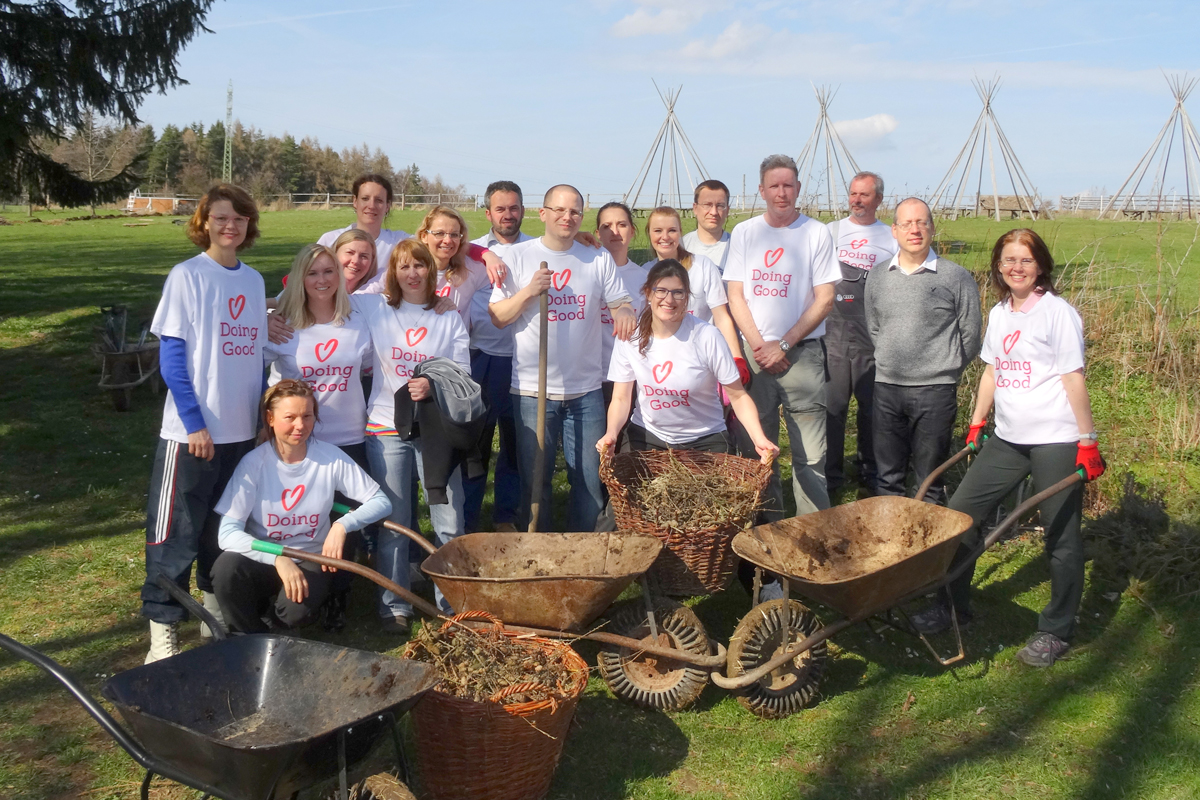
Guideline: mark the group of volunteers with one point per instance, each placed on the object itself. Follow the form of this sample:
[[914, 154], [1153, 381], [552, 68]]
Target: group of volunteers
[[395, 359]]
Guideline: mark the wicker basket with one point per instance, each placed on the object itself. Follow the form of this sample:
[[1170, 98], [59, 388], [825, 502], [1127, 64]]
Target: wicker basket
[[694, 562], [472, 750]]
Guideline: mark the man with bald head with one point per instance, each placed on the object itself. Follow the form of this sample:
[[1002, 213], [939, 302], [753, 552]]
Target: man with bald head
[[924, 319], [578, 280]]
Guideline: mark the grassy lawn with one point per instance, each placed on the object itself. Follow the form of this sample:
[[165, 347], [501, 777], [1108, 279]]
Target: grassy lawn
[[1120, 718]]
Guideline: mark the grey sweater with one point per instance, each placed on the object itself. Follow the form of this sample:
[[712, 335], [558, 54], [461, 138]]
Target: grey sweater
[[926, 327]]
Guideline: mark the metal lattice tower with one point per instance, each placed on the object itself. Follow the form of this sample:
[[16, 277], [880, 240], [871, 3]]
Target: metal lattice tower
[[839, 167], [1161, 150], [673, 150], [227, 162], [985, 139]]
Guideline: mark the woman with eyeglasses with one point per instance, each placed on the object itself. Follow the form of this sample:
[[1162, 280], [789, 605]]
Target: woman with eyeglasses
[[1034, 351], [677, 361], [708, 300], [459, 276]]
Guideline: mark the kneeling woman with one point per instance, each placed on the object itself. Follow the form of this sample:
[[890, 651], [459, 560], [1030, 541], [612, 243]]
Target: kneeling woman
[[281, 492], [677, 360]]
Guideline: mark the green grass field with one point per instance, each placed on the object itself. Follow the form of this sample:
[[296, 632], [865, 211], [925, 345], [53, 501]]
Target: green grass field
[[1119, 719]]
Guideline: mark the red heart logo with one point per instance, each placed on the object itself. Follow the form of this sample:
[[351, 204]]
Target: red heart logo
[[771, 257], [559, 279], [444, 291], [1010, 341], [326, 349], [665, 368], [295, 495], [237, 305], [857, 243], [415, 335]]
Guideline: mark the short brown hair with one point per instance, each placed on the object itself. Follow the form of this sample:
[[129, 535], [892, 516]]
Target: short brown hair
[[713, 185], [417, 252], [1041, 255], [243, 204]]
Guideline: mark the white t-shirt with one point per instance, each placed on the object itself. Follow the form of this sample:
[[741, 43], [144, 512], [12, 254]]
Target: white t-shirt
[[864, 246], [716, 253], [1029, 352], [584, 278], [383, 253], [474, 281], [402, 338], [222, 316], [778, 268], [331, 359], [634, 278], [677, 381], [289, 504], [708, 290], [485, 335]]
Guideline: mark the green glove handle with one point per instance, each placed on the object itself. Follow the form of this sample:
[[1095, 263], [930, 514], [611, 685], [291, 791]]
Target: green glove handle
[[1081, 472], [267, 547], [341, 508]]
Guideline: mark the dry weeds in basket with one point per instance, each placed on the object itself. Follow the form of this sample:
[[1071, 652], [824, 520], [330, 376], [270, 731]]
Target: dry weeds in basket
[[684, 500], [477, 664]]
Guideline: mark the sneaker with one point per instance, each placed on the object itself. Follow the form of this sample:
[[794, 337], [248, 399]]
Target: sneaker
[[399, 625], [936, 619], [164, 641], [505, 527], [1042, 650], [213, 607], [334, 608]]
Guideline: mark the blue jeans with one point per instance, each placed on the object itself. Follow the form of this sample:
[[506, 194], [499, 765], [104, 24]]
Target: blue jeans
[[393, 463], [494, 376], [579, 423]]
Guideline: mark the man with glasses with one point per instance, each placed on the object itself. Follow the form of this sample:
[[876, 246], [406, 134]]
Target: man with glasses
[[710, 204], [861, 241], [577, 280], [924, 319], [781, 275]]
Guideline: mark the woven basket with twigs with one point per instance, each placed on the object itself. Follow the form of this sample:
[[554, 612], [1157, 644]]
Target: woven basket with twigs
[[496, 749], [720, 495]]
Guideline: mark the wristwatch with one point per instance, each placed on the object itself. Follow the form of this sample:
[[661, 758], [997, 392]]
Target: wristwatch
[[784, 346], [1091, 437]]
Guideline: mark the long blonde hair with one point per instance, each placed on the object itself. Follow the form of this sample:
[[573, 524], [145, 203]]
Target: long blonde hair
[[458, 262], [293, 303], [358, 235], [681, 253]]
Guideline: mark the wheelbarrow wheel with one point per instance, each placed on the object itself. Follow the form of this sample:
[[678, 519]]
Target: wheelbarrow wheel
[[759, 637], [661, 683]]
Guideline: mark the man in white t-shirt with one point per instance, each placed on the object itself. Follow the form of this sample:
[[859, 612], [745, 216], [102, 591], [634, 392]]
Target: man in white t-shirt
[[861, 241], [491, 367], [710, 204], [781, 273], [577, 280]]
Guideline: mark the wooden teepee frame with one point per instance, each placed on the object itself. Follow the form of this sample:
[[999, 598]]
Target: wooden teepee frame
[[1189, 144], [817, 182], [672, 150], [985, 139]]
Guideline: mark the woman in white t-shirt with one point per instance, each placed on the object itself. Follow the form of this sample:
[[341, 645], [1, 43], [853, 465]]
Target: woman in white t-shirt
[[708, 300], [1033, 348], [372, 203], [677, 361], [406, 330], [459, 276], [615, 230], [354, 251], [282, 492]]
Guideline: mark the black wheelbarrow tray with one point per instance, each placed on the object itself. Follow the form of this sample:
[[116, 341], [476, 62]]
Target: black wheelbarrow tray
[[251, 717]]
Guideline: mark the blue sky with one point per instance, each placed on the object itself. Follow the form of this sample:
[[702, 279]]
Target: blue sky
[[548, 92]]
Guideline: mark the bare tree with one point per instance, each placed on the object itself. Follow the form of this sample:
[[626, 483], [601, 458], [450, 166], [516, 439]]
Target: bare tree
[[98, 151]]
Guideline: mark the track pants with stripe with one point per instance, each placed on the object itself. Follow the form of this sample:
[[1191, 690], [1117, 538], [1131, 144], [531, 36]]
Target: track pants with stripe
[[181, 527]]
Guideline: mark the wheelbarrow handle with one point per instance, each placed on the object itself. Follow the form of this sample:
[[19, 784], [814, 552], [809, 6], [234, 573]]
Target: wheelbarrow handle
[[349, 566], [937, 473], [186, 600], [342, 508], [102, 717]]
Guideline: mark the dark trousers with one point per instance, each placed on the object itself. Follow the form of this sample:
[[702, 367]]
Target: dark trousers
[[248, 589], [998, 469], [917, 423], [635, 437], [494, 376], [852, 375], [181, 527]]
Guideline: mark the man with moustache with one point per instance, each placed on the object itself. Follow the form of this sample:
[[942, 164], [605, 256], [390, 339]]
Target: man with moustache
[[710, 204], [861, 241], [924, 319]]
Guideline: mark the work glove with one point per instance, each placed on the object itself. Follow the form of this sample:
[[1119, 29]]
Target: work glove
[[743, 371], [976, 437], [1088, 458]]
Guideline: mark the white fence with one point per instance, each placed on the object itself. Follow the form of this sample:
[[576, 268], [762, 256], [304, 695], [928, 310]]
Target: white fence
[[1138, 205]]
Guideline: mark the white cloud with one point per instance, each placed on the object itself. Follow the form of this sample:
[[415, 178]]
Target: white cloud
[[867, 132], [664, 17]]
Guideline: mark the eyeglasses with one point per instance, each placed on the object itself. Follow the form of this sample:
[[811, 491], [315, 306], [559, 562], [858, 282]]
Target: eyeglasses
[[922, 224], [222, 221], [676, 294], [573, 213], [1009, 261], [714, 206], [455, 236]]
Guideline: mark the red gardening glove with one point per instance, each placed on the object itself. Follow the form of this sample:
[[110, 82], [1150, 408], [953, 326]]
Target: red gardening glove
[[1088, 458], [743, 371], [975, 437]]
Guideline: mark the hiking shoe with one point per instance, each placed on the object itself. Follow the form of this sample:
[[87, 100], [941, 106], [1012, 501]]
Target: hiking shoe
[[164, 641], [1042, 650], [936, 619], [399, 625], [212, 606]]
